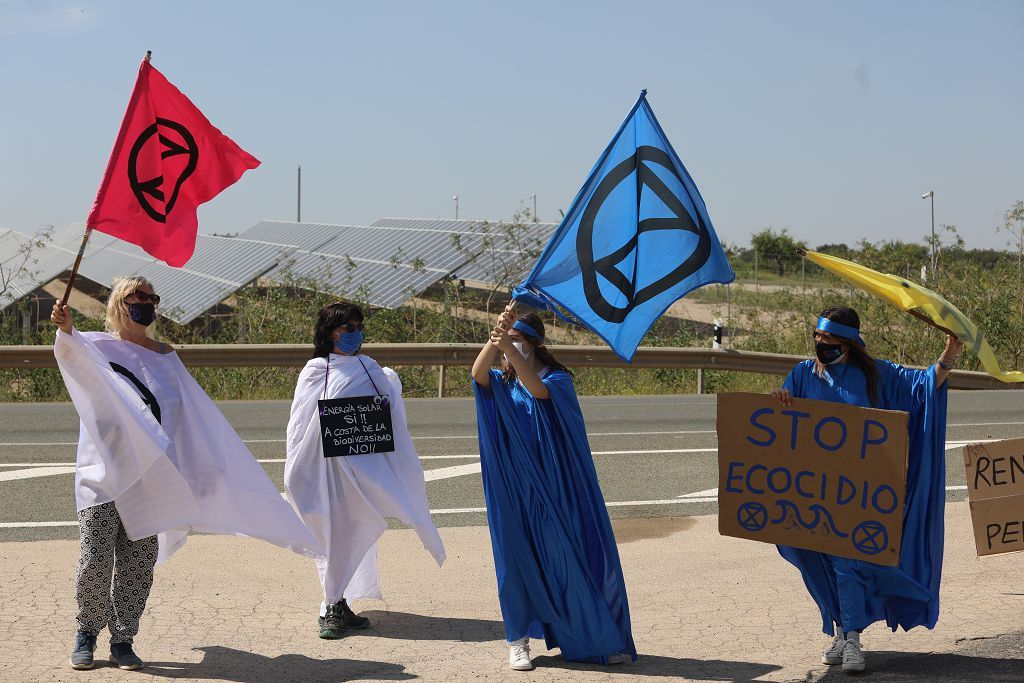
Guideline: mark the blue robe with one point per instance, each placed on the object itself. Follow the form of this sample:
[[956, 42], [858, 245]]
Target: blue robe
[[558, 567], [854, 593]]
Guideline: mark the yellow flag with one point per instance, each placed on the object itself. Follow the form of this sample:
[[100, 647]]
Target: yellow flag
[[921, 303]]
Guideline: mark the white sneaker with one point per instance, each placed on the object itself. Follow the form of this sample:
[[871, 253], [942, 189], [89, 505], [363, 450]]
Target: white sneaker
[[519, 655], [834, 653], [853, 657]]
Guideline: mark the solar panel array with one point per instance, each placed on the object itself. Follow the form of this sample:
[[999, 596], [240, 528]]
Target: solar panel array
[[383, 264], [220, 267], [26, 262], [379, 265], [493, 252]]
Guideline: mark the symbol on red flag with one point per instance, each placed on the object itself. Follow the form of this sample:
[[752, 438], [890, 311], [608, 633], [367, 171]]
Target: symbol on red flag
[[167, 160], [171, 148]]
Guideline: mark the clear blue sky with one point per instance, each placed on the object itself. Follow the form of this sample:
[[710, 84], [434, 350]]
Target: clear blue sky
[[829, 118]]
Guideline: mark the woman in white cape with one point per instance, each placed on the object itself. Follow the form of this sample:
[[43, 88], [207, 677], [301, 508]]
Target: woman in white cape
[[344, 500], [156, 458]]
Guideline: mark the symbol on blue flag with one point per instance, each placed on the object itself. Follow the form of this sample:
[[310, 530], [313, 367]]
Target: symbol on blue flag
[[605, 266], [636, 239]]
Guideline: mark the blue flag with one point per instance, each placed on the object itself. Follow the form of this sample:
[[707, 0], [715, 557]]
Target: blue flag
[[636, 239]]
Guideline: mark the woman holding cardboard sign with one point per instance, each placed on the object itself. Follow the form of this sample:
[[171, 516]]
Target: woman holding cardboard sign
[[559, 576], [351, 463], [853, 594], [156, 458]]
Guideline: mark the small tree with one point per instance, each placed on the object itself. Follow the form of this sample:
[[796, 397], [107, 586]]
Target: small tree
[[23, 265], [1013, 223], [779, 247]]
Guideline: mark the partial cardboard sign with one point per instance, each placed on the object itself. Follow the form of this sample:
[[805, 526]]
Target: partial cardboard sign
[[995, 487], [817, 475]]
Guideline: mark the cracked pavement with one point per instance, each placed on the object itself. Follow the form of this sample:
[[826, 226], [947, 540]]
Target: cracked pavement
[[704, 607]]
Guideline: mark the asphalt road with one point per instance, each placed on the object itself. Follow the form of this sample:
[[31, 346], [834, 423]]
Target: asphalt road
[[655, 455]]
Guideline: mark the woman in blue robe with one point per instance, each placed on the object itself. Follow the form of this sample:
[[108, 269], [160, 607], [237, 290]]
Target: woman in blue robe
[[557, 564], [853, 594]]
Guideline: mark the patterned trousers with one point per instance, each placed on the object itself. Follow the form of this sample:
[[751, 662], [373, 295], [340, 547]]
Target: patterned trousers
[[107, 551]]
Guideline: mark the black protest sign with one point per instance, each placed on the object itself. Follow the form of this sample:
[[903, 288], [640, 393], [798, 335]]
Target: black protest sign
[[816, 475], [356, 426], [995, 486]]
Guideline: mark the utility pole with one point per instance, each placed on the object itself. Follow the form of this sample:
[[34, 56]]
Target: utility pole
[[298, 198], [930, 194]]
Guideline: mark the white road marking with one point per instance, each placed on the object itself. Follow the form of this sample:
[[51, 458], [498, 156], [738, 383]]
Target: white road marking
[[33, 472], [983, 424], [466, 456], [8, 444], [456, 511], [450, 472], [707, 493]]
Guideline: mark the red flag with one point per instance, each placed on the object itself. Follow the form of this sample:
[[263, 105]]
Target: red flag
[[167, 160]]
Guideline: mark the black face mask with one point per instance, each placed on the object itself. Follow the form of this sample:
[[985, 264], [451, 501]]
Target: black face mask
[[143, 314], [828, 353]]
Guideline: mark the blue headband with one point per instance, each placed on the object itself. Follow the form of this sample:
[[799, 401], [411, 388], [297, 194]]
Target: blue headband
[[839, 330], [523, 327]]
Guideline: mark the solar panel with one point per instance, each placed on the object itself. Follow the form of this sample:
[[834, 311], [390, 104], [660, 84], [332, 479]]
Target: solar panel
[[306, 236], [382, 265], [27, 261], [491, 255]]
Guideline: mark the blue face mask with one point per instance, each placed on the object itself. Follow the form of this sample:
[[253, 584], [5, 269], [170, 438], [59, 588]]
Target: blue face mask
[[349, 342]]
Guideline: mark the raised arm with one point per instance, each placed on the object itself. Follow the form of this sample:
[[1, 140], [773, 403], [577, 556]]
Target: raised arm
[[947, 359], [488, 355]]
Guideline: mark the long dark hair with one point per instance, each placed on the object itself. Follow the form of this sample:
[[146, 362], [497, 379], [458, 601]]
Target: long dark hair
[[857, 355], [509, 373], [331, 317]]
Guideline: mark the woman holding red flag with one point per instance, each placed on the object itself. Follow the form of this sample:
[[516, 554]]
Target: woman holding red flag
[[156, 458]]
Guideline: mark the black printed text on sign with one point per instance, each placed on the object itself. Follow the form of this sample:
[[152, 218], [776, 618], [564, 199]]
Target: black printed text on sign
[[356, 426], [816, 475], [995, 486]]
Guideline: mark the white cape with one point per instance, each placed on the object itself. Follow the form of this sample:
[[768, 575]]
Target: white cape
[[344, 500], [189, 470]]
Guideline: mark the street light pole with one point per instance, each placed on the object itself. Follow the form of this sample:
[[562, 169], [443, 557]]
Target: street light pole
[[456, 198], [298, 198], [930, 194], [534, 198]]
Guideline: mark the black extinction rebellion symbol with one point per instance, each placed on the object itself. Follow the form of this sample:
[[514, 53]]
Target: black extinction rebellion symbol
[[174, 140], [606, 265], [147, 396]]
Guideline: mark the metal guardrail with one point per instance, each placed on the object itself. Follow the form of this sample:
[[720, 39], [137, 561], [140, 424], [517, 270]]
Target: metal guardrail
[[445, 355]]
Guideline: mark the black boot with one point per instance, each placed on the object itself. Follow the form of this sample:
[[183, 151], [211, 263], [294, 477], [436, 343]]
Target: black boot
[[351, 619], [332, 625]]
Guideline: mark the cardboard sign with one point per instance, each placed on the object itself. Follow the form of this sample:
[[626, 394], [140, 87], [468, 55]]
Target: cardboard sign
[[995, 486], [817, 475], [356, 426]]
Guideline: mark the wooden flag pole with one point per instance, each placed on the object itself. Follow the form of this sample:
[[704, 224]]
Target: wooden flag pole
[[74, 269]]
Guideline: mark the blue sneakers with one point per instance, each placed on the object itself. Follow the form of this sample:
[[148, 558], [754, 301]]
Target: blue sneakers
[[81, 656], [122, 655]]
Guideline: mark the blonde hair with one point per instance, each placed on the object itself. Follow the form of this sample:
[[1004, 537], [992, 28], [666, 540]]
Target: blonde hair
[[117, 310]]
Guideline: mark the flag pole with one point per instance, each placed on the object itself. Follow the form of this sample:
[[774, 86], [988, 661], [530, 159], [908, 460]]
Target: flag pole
[[74, 269]]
